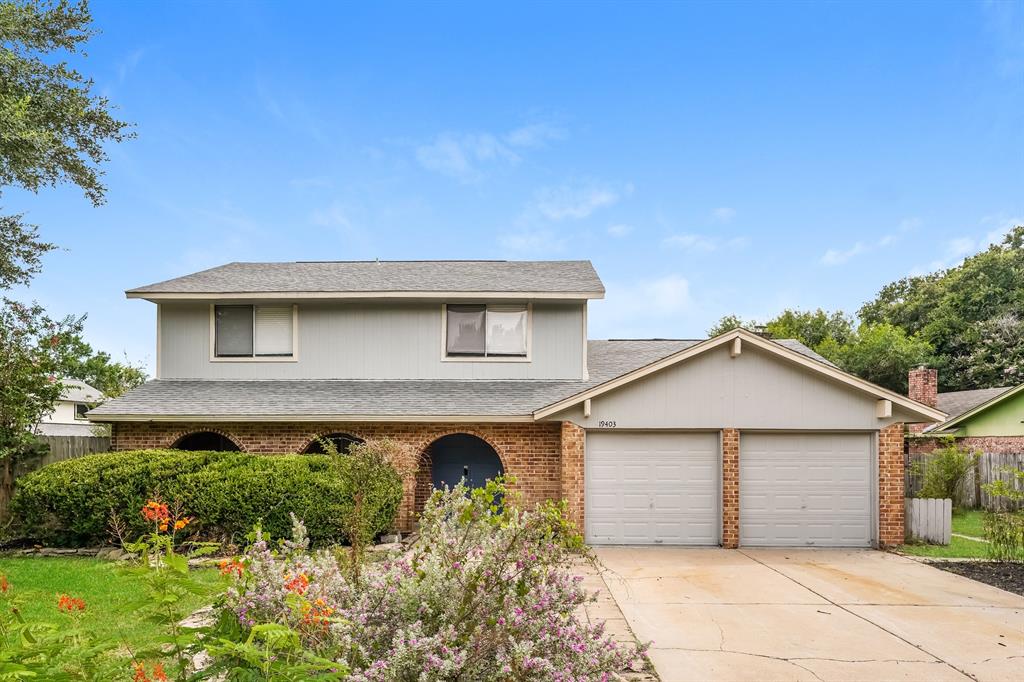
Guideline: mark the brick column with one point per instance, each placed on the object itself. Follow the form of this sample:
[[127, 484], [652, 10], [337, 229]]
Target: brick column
[[890, 486], [573, 439], [730, 488]]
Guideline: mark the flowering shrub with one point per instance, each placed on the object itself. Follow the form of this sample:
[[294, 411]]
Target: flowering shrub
[[481, 595]]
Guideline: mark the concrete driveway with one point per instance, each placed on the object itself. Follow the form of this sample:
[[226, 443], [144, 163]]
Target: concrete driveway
[[770, 614]]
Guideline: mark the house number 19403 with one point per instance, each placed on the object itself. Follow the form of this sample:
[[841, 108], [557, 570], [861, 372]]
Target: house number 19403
[[605, 424]]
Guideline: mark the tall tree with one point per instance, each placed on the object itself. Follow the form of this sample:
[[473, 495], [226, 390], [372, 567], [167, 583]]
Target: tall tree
[[958, 310], [53, 129]]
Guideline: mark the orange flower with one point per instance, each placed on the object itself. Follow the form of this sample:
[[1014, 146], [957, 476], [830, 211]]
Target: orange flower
[[69, 604], [4, 585], [140, 673], [158, 672], [234, 566], [298, 584], [156, 512], [182, 522]]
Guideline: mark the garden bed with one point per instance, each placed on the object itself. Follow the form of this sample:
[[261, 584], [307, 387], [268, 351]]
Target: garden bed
[[1006, 575]]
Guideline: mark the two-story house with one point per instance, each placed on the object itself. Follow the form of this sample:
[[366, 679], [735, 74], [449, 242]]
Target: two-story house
[[485, 367]]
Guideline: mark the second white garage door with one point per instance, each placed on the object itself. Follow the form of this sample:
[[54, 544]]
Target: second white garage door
[[805, 489], [652, 488]]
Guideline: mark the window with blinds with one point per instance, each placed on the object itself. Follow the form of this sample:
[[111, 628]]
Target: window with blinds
[[246, 331], [486, 331]]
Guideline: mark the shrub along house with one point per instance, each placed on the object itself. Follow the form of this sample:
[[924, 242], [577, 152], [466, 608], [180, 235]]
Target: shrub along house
[[484, 367]]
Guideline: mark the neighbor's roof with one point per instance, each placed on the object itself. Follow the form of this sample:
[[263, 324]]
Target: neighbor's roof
[[79, 391], [960, 405], [397, 278], [346, 400]]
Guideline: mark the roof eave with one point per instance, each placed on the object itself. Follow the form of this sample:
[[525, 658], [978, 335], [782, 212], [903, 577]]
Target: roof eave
[[210, 418], [348, 295]]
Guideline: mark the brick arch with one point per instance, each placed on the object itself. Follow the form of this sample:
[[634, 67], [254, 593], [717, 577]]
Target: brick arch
[[424, 479], [355, 433], [178, 435]]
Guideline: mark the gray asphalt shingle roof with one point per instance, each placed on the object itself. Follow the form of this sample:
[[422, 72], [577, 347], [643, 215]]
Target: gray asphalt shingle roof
[[386, 276], [207, 398], [955, 403]]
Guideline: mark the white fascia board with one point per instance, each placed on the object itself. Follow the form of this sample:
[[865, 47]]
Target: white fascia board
[[919, 409], [475, 418], [348, 295]]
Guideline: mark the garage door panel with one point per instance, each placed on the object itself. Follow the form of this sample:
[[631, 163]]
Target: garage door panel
[[805, 489], [652, 488]]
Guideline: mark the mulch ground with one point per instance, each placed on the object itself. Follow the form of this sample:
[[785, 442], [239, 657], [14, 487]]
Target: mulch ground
[[1007, 575]]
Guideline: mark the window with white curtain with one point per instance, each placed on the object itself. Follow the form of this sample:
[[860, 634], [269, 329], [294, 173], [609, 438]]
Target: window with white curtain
[[260, 331], [486, 331]]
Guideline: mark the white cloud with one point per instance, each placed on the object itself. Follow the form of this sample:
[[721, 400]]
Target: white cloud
[[699, 242], [534, 243], [568, 202], [691, 242], [465, 155], [838, 257], [459, 155], [723, 214], [651, 307], [620, 230], [534, 135], [998, 226]]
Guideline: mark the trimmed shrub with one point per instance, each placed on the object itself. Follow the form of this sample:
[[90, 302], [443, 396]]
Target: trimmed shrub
[[71, 503]]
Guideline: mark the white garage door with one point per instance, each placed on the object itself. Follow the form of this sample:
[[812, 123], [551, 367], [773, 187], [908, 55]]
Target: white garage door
[[652, 488], [805, 490]]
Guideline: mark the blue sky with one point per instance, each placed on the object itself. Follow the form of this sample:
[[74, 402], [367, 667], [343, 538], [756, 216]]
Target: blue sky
[[708, 158]]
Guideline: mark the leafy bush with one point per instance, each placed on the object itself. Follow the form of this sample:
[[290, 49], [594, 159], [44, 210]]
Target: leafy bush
[[945, 470], [1004, 530], [71, 502], [481, 595]]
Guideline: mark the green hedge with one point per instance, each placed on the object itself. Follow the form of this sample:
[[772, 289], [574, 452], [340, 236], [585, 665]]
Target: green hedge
[[70, 503]]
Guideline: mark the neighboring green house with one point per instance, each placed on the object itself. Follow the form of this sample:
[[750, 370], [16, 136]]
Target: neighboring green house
[[988, 419], [997, 412]]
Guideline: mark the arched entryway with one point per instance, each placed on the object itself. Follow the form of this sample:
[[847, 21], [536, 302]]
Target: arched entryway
[[206, 440], [342, 441], [453, 458]]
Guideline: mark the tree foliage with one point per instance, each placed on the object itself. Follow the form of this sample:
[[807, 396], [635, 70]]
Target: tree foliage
[[970, 314], [53, 127], [100, 371]]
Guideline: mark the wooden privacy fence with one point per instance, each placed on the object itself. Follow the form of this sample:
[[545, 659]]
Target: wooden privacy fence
[[64, 447], [929, 519], [990, 467]]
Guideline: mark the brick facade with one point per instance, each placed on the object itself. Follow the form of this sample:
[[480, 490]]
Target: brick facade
[[923, 386], [529, 451], [996, 445], [546, 458], [730, 488], [890, 485], [573, 442]]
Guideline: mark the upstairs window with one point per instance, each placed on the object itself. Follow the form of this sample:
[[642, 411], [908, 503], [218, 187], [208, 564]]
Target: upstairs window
[[253, 331], [80, 410], [486, 331]]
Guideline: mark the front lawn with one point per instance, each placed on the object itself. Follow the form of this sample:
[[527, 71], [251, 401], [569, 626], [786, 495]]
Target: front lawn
[[36, 582], [965, 522], [958, 548], [969, 522]]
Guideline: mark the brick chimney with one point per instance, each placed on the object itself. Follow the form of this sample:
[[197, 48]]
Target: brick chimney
[[924, 385], [924, 388]]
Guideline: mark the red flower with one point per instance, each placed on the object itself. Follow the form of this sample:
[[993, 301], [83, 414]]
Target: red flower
[[70, 604], [140, 673], [158, 513], [4, 585], [158, 672]]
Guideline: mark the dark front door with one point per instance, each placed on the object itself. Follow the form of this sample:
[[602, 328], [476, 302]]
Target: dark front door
[[462, 456]]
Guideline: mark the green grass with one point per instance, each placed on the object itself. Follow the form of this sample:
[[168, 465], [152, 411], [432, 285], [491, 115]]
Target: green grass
[[36, 581], [957, 548], [969, 522]]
